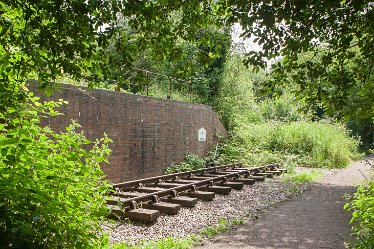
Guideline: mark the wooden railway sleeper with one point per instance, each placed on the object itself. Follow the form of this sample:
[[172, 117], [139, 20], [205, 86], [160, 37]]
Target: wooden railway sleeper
[[181, 200], [195, 193], [209, 184], [167, 208], [232, 184], [134, 183], [224, 190]]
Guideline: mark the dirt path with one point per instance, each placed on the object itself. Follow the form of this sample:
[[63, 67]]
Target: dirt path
[[313, 220]]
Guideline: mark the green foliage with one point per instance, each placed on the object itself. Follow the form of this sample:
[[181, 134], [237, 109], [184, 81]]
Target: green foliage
[[239, 100], [165, 243], [267, 129], [44, 40], [303, 177], [190, 162], [192, 74], [272, 129], [361, 204], [337, 35], [365, 130], [218, 228], [317, 144], [351, 102], [236, 93], [341, 90], [282, 109], [51, 188], [294, 189]]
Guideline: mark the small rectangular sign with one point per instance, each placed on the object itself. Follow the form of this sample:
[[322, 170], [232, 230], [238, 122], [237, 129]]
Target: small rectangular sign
[[202, 135]]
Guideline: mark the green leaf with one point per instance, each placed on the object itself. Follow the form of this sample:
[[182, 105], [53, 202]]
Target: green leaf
[[8, 141]]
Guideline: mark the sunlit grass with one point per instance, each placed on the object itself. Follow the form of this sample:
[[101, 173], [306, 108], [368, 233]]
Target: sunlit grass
[[303, 177]]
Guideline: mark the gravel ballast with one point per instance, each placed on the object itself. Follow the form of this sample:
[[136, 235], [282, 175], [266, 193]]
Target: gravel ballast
[[238, 204]]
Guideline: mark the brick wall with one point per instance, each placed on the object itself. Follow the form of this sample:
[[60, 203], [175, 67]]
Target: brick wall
[[148, 134]]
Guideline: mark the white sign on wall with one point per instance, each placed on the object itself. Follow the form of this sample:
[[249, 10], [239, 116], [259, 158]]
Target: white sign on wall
[[202, 135]]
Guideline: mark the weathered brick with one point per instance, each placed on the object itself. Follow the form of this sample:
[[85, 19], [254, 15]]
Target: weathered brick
[[148, 134]]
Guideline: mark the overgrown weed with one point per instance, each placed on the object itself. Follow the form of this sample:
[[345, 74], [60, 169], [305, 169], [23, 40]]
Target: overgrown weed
[[312, 144], [303, 176]]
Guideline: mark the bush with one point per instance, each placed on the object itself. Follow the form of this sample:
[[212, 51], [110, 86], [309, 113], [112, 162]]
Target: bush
[[51, 189], [283, 108], [190, 162], [316, 144], [362, 207]]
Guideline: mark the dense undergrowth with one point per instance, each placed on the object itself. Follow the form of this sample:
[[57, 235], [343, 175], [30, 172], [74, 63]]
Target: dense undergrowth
[[271, 129], [300, 143], [361, 205], [51, 185], [312, 144], [309, 144]]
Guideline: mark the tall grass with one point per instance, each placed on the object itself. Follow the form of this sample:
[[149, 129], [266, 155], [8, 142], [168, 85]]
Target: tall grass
[[268, 129], [313, 144]]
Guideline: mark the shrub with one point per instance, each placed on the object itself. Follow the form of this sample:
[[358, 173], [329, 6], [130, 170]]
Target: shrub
[[51, 189], [283, 108], [316, 144], [190, 162], [362, 207]]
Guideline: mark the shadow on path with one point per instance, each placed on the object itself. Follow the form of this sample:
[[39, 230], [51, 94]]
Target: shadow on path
[[315, 219]]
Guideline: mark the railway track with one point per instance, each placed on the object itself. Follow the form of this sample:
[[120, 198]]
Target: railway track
[[145, 199]]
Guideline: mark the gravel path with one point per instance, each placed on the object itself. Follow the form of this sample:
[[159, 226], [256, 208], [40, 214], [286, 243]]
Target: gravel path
[[313, 220], [238, 204]]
